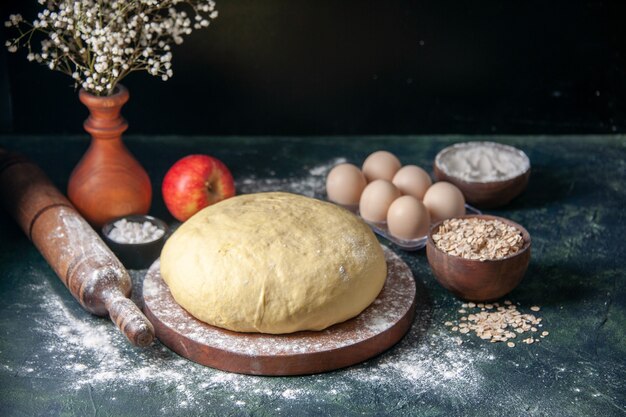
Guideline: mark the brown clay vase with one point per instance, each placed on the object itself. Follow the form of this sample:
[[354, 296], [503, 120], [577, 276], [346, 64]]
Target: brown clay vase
[[108, 182]]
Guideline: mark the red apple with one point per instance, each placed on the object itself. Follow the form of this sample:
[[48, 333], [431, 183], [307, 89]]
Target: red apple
[[195, 182]]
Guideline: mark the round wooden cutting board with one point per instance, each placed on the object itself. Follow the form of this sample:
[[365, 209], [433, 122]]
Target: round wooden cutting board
[[373, 331]]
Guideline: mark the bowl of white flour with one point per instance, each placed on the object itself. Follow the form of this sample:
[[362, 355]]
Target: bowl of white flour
[[489, 174]]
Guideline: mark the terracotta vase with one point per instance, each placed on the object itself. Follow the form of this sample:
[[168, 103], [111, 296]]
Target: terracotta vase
[[108, 182]]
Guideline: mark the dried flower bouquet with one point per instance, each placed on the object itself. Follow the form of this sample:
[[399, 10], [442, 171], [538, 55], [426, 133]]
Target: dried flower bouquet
[[99, 42]]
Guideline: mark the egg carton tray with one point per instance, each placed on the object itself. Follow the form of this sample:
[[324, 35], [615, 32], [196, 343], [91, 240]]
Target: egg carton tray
[[408, 245]]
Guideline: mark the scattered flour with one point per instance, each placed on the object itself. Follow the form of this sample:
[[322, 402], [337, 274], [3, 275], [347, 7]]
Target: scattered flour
[[425, 360], [311, 185], [76, 340]]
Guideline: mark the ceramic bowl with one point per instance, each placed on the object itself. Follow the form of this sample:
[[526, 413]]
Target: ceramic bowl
[[475, 280], [485, 194], [136, 255]]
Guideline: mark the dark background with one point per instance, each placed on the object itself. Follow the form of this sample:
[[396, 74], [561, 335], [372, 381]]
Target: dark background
[[304, 67]]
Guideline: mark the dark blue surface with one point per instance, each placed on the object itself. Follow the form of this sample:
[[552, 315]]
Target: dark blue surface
[[56, 359]]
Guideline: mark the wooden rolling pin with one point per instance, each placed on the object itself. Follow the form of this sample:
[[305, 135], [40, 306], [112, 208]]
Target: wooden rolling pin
[[92, 273]]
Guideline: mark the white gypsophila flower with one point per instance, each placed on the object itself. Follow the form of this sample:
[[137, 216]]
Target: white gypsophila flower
[[109, 38]]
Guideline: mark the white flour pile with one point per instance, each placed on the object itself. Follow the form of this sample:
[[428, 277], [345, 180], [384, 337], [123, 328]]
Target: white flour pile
[[125, 231], [75, 340], [482, 161]]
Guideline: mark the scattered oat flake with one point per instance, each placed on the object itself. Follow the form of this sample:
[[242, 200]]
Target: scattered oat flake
[[496, 325], [510, 344], [535, 308]]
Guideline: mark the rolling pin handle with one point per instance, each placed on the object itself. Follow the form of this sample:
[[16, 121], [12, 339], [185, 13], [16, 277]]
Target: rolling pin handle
[[91, 272], [129, 319]]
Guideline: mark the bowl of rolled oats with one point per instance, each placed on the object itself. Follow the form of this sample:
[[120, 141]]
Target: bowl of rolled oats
[[478, 257]]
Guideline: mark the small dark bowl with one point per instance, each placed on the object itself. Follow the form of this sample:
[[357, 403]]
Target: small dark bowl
[[475, 280], [485, 194], [136, 255]]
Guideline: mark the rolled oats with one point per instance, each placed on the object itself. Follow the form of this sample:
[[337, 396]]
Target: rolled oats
[[479, 239], [497, 324]]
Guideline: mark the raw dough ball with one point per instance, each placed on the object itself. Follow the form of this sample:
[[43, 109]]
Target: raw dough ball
[[273, 263], [381, 165]]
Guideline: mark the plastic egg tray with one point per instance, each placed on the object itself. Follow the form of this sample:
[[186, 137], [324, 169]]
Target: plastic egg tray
[[408, 245]]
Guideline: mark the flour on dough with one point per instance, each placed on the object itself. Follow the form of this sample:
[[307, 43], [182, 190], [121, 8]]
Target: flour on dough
[[273, 263]]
